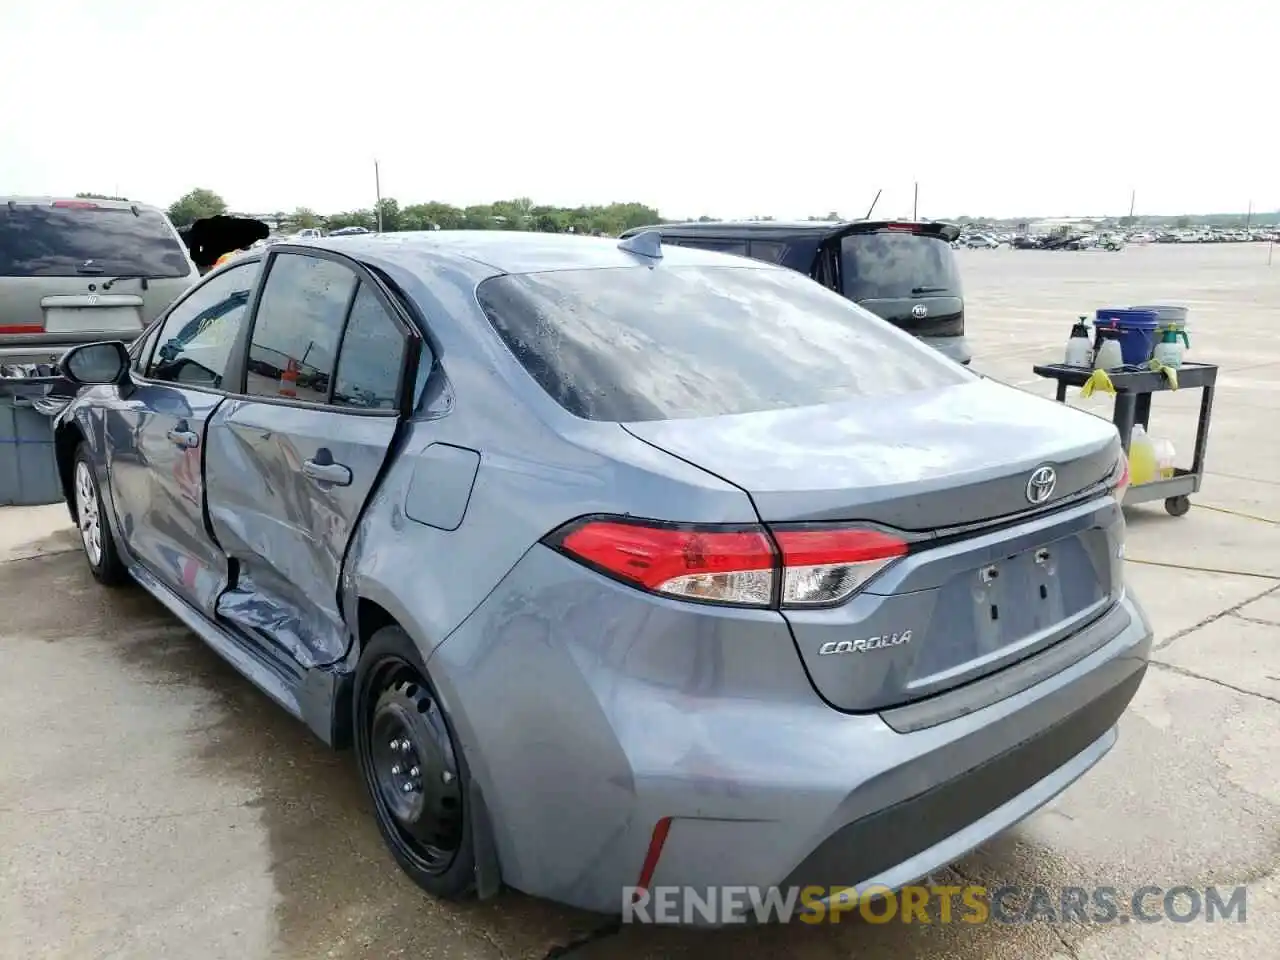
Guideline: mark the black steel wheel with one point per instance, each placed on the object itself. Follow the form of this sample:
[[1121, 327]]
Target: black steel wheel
[[415, 775], [1178, 506]]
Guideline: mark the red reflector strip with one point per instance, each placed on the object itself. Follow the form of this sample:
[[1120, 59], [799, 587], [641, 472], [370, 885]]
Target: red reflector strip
[[815, 548], [75, 205], [651, 556], [656, 843], [22, 328]]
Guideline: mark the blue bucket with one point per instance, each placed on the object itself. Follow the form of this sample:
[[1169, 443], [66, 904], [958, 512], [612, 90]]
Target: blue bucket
[[1137, 329]]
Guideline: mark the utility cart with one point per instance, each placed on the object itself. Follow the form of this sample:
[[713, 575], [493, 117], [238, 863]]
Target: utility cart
[[1134, 387]]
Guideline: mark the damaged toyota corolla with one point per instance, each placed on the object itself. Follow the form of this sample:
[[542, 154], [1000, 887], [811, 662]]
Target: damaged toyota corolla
[[619, 565]]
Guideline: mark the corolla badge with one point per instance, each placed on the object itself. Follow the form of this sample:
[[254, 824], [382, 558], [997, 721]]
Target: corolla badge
[[1041, 483], [864, 646], [919, 311]]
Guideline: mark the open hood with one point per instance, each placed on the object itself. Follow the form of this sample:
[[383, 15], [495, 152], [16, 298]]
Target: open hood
[[210, 238]]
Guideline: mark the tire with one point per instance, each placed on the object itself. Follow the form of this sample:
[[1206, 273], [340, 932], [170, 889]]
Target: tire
[[1178, 506], [412, 767], [96, 539]]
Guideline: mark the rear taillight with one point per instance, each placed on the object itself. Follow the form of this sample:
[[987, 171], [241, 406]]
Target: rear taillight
[[74, 205], [720, 565], [827, 566], [737, 565], [1120, 477]]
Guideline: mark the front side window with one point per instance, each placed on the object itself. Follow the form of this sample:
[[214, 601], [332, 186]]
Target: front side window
[[196, 339], [298, 325], [372, 356], [631, 344], [86, 240]]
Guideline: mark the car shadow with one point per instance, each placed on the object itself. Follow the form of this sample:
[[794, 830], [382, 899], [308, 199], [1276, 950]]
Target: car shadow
[[340, 895]]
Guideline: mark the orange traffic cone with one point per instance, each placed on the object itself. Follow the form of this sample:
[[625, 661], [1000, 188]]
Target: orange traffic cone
[[289, 379]]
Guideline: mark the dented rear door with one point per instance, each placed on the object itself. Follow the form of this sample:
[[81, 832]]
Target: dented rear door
[[292, 462]]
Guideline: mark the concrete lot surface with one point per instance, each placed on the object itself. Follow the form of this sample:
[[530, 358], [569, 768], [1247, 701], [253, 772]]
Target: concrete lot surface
[[153, 804]]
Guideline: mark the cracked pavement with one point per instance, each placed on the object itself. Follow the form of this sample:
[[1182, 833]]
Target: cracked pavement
[[153, 804]]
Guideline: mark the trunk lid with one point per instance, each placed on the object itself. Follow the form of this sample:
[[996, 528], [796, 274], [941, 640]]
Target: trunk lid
[[921, 461], [990, 577]]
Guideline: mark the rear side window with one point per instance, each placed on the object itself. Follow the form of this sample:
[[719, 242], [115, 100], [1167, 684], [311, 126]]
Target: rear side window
[[666, 343], [47, 241], [890, 265], [372, 357], [770, 251], [295, 333], [736, 247]]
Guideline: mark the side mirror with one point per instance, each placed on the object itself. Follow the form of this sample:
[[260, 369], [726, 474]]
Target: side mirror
[[95, 363]]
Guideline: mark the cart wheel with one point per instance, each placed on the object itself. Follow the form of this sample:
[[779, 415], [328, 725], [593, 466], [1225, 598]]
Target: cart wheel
[[1178, 506]]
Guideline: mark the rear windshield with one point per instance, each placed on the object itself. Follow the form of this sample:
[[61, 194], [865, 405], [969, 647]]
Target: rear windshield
[[890, 265], [631, 344], [45, 241]]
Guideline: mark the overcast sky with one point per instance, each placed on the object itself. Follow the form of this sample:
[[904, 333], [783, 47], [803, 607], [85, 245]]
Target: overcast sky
[[1050, 107]]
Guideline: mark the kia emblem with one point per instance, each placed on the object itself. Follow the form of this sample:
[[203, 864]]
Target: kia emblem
[[919, 311]]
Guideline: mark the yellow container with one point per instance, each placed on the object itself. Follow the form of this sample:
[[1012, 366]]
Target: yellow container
[[1144, 466]]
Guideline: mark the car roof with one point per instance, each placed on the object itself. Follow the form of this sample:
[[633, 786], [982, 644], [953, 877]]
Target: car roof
[[105, 204], [509, 251], [782, 229]]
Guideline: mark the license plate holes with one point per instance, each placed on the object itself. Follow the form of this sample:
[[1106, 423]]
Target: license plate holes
[[995, 611]]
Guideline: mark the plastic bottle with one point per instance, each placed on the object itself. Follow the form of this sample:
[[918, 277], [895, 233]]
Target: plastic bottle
[[1169, 351], [1143, 465], [1109, 355], [1079, 347], [1165, 456]]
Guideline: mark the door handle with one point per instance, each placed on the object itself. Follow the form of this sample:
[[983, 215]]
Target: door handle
[[337, 474], [187, 439]]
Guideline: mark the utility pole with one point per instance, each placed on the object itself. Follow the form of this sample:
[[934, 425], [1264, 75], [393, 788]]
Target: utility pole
[[377, 188], [1133, 197], [915, 203], [1248, 216]]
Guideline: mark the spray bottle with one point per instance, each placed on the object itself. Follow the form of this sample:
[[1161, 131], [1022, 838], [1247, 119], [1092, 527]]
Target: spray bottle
[[1169, 351], [1109, 356], [1079, 347]]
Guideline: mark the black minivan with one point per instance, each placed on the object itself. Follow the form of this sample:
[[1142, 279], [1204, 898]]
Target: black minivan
[[903, 271]]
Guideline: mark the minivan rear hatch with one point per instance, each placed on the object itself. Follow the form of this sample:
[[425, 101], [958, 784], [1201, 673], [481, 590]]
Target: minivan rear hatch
[[905, 273], [73, 271]]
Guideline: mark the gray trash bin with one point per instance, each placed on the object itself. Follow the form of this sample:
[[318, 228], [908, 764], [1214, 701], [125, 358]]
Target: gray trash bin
[[28, 467]]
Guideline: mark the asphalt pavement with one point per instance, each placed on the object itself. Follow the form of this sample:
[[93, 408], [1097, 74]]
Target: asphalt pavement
[[153, 804]]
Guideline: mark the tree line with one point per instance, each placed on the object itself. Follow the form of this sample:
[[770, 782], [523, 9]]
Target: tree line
[[518, 214]]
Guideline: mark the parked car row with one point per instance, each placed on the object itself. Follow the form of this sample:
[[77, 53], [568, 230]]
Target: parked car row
[[1076, 239]]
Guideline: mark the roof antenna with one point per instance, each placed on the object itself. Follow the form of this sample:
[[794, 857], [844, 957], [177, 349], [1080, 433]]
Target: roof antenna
[[873, 204], [646, 243]]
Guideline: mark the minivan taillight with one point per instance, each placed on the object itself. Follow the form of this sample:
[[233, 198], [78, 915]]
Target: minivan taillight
[[741, 565]]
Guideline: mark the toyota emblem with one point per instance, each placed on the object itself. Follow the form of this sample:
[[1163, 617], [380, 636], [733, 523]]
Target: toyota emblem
[[1040, 485], [919, 311]]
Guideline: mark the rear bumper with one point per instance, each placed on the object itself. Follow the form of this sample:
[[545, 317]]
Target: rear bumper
[[589, 712], [954, 348]]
